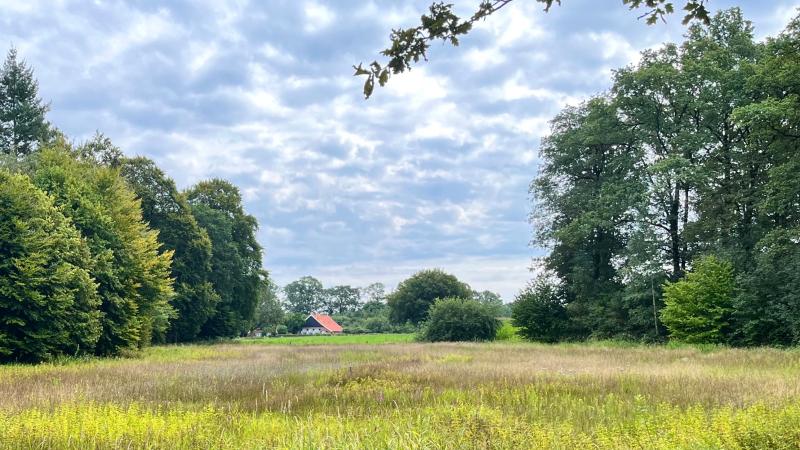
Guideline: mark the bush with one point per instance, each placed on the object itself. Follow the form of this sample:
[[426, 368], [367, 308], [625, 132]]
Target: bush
[[539, 313], [507, 332], [698, 308], [281, 329], [458, 319], [377, 325]]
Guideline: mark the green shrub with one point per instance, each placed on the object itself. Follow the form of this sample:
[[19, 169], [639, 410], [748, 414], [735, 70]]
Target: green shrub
[[539, 313], [507, 332], [699, 307], [458, 319], [281, 329]]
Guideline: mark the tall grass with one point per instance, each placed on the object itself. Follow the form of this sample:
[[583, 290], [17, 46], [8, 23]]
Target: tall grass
[[410, 395]]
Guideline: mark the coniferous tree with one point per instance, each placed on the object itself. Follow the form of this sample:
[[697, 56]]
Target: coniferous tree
[[22, 121]]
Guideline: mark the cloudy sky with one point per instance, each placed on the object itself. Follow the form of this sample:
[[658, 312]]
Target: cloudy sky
[[432, 171]]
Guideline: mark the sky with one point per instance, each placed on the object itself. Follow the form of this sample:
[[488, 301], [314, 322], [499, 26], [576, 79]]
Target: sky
[[431, 172]]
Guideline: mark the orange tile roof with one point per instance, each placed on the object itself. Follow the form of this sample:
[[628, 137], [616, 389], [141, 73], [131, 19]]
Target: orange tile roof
[[327, 322]]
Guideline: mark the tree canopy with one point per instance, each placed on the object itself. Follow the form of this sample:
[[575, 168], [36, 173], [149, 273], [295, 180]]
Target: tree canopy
[[133, 276], [48, 299], [689, 154], [235, 256], [166, 209], [414, 296]]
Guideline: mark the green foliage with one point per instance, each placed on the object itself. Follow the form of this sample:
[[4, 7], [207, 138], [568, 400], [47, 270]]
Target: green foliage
[[305, 295], [132, 274], [507, 332], [48, 301], [493, 300], [590, 184], [414, 296], [236, 256], [693, 151], [460, 319], [698, 308], [269, 314], [294, 321], [539, 313], [22, 122], [410, 45], [767, 308], [166, 209], [341, 299]]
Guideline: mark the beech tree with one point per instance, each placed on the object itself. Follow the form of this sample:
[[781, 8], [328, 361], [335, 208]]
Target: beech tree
[[133, 276], [235, 256], [166, 209], [48, 300]]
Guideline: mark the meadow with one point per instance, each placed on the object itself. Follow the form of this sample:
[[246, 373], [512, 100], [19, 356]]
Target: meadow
[[380, 392]]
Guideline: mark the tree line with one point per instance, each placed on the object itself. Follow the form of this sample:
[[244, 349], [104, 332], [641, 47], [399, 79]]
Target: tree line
[[102, 254], [367, 309], [671, 204]]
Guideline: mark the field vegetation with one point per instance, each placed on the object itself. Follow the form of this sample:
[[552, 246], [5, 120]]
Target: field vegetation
[[407, 395]]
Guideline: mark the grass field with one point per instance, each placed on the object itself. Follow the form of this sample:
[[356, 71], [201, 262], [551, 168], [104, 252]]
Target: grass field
[[311, 393], [346, 339]]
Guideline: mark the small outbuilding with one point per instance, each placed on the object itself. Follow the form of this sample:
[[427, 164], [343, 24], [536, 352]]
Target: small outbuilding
[[320, 324]]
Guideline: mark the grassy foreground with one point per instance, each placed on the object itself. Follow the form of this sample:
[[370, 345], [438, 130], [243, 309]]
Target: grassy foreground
[[408, 395]]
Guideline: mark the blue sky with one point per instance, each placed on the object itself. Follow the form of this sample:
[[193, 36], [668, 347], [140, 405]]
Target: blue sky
[[433, 171]]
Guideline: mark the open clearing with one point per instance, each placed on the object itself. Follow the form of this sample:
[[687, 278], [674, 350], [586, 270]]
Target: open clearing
[[407, 395]]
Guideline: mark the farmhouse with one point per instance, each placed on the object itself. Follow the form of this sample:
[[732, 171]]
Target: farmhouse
[[320, 324]]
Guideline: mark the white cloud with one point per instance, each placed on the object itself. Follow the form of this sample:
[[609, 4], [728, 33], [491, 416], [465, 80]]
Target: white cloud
[[317, 16]]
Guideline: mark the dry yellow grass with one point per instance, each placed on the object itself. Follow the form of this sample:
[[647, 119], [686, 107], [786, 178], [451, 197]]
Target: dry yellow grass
[[408, 394]]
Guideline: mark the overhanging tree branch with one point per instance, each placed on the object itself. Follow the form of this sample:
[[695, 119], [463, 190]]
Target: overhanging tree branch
[[409, 45]]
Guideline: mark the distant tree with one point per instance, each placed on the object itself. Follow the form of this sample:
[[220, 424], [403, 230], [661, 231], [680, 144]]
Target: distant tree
[[375, 292], [48, 301], [341, 299], [269, 314], [491, 299], [304, 295], [235, 256], [459, 319], [414, 296], [133, 276], [410, 45], [698, 308], [166, 209], [100, 150], [540, 313], [294, 322], [22, 113]]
